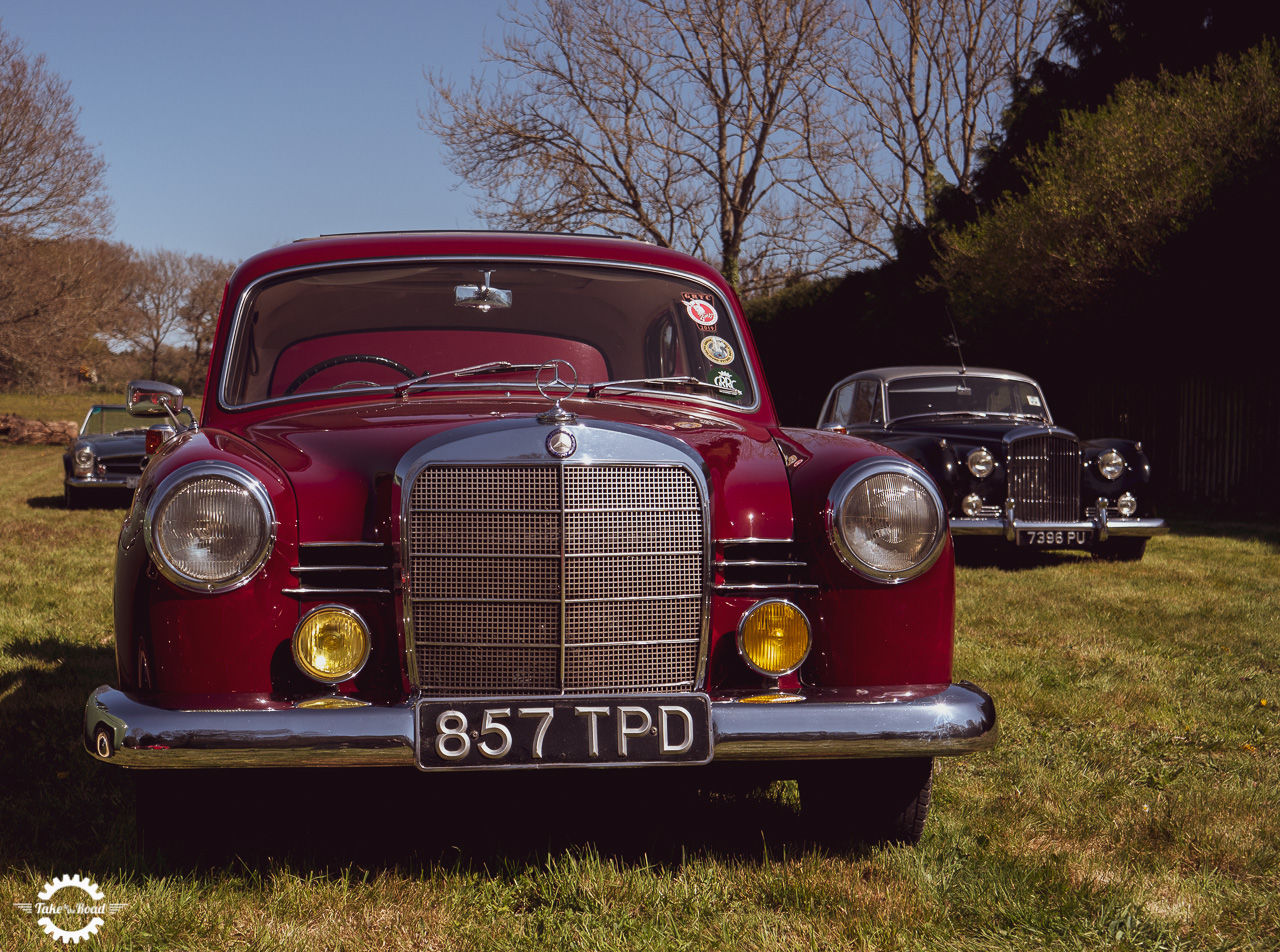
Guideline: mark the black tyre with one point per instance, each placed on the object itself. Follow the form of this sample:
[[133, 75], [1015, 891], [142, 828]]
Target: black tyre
[[867, 801], [72, 498], [1121, 550]]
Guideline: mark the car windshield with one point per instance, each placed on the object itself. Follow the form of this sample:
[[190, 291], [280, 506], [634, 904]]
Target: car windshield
[[968, 395], [350, 327], [103, 420]]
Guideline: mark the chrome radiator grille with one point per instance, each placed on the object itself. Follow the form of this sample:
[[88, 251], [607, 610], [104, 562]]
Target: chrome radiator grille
[[548, 579], [1044, 478]]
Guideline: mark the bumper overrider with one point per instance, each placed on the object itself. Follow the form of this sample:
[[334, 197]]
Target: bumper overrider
[[906, 721]]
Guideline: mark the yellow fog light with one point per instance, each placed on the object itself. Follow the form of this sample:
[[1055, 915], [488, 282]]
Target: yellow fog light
[[331, 644], [774, 638]]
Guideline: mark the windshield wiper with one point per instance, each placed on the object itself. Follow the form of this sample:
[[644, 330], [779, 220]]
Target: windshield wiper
[[596, 388], [475, 370]]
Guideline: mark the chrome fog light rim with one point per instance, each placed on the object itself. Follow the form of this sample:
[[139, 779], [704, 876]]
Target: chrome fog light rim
[[304, 663], [754, 613], [1127, 504]]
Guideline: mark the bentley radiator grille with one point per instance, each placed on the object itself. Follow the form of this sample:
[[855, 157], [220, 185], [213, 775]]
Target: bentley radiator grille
[[555, 579], [1044, 478]]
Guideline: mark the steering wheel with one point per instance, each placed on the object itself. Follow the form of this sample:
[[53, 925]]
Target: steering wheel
[[347, 359]]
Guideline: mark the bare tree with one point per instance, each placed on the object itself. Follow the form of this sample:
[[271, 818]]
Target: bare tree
[[158, 289], [682, 122], [51, 180], [925, 82], [206, 282]]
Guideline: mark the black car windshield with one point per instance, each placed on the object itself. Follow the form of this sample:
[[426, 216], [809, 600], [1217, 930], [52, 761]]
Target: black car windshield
[[341, 329], [967, 395], [104, 420]]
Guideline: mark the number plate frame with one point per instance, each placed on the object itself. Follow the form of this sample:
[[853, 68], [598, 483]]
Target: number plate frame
[[1055, 538], [496, 733]]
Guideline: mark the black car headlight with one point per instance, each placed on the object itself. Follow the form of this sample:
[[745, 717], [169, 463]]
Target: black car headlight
[[209, 527], [82, 461], [886, 520], [1111, 464]]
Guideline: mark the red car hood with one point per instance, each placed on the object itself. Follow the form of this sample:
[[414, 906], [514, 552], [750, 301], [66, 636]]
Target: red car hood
[[338, 457]]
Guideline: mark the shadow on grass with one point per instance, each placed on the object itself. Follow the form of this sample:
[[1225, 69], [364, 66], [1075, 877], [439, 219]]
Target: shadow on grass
[[57, 810], [999, 554], [102, 499], [397, 818]]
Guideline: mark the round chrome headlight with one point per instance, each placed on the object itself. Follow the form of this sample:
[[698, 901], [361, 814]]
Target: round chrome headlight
[[981, 462], [971, 505], [82, 461], [1127, 505], [1111, 464], [886, 520], [209, 527]]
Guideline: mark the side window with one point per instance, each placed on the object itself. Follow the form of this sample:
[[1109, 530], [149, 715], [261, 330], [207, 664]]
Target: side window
[[863, 400], [877, 408], [841, 406]]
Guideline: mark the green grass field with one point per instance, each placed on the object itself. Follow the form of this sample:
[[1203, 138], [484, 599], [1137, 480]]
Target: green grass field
[[1131, 802]]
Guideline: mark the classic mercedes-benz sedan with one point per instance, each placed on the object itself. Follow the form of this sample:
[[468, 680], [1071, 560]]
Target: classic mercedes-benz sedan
[[491, 502], [1005, 470]]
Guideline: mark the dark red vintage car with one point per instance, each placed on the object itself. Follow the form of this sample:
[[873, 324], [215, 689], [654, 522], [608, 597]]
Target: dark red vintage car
[[479, 502]]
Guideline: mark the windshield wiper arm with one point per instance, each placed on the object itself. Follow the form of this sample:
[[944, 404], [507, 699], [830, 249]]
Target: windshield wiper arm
[[475, 370], [596, 388]]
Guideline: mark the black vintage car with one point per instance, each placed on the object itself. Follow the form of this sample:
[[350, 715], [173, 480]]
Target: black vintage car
[[106, 460], [1004, 469]]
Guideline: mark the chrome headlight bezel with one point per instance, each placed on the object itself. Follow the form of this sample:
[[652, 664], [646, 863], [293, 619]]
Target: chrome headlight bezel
[[839, 497], [980, 462], [165, 494], [1111, 465], [82, 460]]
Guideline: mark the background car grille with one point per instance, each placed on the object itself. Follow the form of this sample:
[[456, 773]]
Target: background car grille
[[1044, 478], [546, 579]]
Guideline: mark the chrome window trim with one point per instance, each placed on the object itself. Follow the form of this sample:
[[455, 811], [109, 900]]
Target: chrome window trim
[[840, 490], [514, 442], [235, 474], [238, 322]]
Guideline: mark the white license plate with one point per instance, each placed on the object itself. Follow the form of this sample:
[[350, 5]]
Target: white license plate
[[1056, 538], [471, 733]]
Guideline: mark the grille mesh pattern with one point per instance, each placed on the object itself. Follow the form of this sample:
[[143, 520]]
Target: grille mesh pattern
[[496, 551], [1044, 479]]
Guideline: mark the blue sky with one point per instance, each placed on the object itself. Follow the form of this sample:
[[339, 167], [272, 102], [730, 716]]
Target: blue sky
[[233, 126]]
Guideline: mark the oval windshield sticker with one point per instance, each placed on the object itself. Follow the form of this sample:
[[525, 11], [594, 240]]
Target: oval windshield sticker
[[702, 312], [717, 350]]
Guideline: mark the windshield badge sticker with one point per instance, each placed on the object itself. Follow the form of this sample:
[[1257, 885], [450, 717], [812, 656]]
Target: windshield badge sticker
[[727, 382], [717, 350]]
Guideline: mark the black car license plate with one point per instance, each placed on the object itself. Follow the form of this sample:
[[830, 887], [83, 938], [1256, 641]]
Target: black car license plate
[[1056, 538], [470, 733]]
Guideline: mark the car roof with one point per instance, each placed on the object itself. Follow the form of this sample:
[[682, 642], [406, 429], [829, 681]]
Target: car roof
[[368, 246], [889, 374]]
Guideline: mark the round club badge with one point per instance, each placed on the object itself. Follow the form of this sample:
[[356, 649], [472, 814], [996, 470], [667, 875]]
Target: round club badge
[[717, 350], [701, 311]]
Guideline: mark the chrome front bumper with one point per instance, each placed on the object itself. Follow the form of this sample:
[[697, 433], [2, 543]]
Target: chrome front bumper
[[1103, 526], [912, 721]]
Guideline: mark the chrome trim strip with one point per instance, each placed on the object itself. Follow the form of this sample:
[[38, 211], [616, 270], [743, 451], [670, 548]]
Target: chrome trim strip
[[335, 591], [838, 723], [766, 586]]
